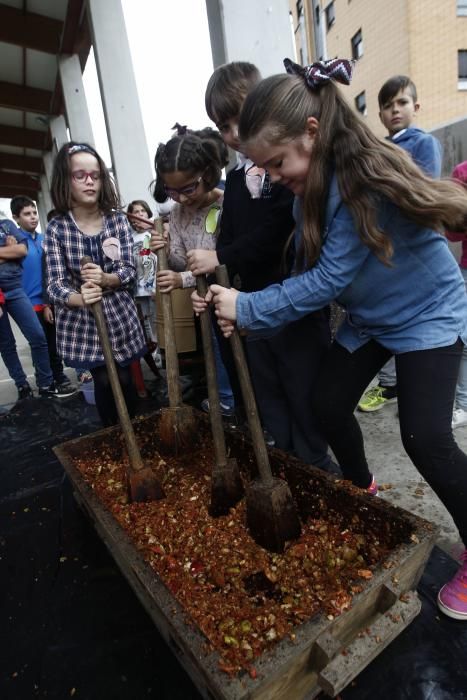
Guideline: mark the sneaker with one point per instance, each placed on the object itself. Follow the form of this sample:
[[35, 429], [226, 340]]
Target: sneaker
[[452, 598], [67, 389], [57, 391], [377, 397], [373, 487], [226, 410], [459, 417], [25, 392]]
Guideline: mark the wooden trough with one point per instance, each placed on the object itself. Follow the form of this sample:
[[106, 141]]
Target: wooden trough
[[327, 652]]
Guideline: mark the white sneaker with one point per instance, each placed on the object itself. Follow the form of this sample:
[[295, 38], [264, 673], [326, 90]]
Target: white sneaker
[[459, 417]]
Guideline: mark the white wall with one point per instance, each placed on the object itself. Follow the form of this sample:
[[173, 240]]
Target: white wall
[[257, 31]]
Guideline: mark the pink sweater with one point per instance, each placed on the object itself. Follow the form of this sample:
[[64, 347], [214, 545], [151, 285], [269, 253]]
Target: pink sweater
[[460, 173]]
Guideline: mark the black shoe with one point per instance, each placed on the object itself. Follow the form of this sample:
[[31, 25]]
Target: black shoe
[[25, 392], [58, 391]]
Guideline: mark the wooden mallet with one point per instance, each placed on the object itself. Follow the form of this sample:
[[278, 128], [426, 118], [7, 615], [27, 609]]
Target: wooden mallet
[[177, 426], [226, 486], [142, 483], [271, 514]]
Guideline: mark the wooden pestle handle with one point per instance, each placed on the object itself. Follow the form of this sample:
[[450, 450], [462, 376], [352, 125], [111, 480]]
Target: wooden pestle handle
[[259, 445], [211, 378], [134, 454], [171, 358]]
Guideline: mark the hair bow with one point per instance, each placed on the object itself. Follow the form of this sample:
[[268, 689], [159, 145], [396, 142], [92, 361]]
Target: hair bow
[[181, 130], [321, 72], [78, 147]]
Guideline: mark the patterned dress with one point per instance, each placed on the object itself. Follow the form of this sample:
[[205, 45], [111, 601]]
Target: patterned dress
[[192, 228], [77, 337]]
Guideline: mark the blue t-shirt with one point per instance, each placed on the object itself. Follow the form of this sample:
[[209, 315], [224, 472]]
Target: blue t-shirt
[[11, 271], [33, 268]]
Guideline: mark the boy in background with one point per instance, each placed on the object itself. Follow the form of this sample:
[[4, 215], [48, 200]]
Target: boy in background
[[25, 214], [398, 108], [13, 248]]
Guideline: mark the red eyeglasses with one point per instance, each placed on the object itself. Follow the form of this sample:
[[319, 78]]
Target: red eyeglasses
[[82, 175]]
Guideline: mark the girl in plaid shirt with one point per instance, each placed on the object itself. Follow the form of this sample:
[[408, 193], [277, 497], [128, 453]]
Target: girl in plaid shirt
[[85, 198]]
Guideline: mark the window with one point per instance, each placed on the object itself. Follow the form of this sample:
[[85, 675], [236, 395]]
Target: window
[[360, 103], [357, 44], [462, 8], [317, 14], [330, 15], [462, 69]]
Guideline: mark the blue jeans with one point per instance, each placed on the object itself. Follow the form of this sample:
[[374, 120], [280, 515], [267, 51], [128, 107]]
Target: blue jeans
[[387, 375], [18, 306], [226, 396], [461, 389]]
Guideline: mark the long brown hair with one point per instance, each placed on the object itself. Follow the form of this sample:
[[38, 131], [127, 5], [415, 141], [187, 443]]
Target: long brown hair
[[61, 179], [367, 167]]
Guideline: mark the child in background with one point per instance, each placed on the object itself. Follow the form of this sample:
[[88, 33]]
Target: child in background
[[188, 168], [25, 214], [398, 108], [13, 248], [85, 197], [369, 221], [459, 416], [145, 284], [256, 226]]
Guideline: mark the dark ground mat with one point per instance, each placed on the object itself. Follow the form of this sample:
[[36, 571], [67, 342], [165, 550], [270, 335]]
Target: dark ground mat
[[70, 625]]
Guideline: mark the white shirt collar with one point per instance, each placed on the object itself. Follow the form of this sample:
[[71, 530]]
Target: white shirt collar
[[243, 161]]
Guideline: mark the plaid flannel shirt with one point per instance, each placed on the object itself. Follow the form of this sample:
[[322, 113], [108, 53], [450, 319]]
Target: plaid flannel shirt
[[77, 337]]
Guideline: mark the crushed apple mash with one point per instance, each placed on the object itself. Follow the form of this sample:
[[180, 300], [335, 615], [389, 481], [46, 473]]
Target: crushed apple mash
[[243, 598]]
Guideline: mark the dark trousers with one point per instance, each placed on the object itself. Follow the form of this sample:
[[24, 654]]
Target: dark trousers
[[426, 382], [284, 370], [228, 361], [105, 403], [56, 364]]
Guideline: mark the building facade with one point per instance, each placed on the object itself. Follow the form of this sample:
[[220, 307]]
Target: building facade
[[425, 39]]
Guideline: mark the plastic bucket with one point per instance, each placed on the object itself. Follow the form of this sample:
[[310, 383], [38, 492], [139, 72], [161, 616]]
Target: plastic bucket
[[88, 392]]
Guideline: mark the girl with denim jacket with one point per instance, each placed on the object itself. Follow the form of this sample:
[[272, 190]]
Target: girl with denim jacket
[[368, 223]]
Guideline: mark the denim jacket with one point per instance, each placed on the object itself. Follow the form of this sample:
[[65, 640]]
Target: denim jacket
[[11, 271], [417, 303]]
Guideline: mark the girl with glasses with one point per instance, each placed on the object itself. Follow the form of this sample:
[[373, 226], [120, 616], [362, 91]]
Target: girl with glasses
[[188, 170], [88, 223]]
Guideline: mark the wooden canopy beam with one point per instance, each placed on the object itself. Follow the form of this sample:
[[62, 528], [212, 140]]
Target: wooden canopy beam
[[24, 138], [11, 161], [8, 192], [30, 30], [25, 98], [15, 181]]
